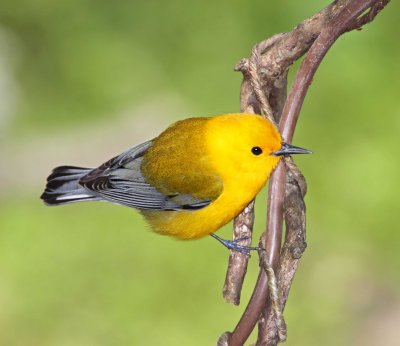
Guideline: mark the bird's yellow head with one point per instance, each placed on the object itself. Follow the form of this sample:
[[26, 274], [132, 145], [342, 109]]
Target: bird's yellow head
[[241, 147]]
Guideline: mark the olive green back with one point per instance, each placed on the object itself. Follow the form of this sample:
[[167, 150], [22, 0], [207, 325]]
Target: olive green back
[[182, 142]]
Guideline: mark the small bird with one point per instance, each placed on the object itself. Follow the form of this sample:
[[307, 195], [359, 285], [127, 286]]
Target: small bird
[[188, 182]]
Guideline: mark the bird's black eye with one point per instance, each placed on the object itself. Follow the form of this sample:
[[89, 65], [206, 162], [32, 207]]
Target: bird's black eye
[[256, 150]]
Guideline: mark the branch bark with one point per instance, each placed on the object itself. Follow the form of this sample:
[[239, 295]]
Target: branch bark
[[292, 250], [237, 264], [315, 35]]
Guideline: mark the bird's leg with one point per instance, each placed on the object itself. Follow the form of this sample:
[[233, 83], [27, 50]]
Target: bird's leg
[[233, 244]]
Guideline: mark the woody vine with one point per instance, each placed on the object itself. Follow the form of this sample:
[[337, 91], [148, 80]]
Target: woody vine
[[263, 91]]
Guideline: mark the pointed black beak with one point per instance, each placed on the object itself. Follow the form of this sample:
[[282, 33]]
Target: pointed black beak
[[288, 149]]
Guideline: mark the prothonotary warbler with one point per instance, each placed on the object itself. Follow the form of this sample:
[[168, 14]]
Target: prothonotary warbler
[[189, 181]]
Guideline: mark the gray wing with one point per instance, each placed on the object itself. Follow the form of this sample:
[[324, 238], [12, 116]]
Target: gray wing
[[120, 180]]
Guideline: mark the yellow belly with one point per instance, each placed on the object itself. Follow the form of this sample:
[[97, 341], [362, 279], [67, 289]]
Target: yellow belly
[[199, 223]]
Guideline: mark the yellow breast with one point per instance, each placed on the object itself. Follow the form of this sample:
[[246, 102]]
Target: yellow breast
[[237, 193], [197, 224]]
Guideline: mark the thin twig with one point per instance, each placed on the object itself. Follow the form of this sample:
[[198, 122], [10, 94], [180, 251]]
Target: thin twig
[[237, 264], [369, 16], [243, 223], [278, 319], [293, 248], [254, 66], [311, 62]]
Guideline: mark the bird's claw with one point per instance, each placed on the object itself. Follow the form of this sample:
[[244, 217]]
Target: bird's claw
[[234, 244]]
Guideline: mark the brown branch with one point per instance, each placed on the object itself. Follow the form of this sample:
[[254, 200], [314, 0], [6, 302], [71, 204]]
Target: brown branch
[[292, 250], [276, 310], [243, 224], [369, 16], [323, 28], [237, 265], [337, 26], [254, 65], [251, 98]]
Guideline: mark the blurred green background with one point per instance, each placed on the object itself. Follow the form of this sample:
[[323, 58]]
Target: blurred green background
[[81, 81]]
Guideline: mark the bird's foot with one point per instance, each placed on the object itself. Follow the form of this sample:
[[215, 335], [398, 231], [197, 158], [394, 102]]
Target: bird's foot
[[234, 244]]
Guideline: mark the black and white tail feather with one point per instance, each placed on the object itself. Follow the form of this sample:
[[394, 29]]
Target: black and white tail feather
[[63, 186], [118, 180]]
